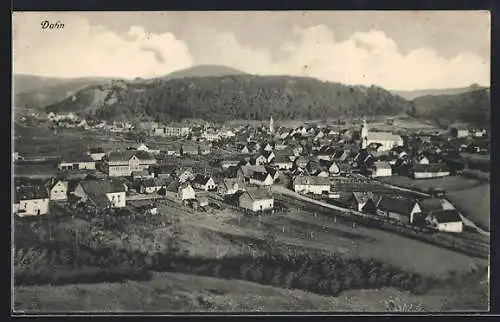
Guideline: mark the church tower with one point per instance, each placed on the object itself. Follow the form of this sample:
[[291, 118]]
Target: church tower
[[271, 125], [364, 134]]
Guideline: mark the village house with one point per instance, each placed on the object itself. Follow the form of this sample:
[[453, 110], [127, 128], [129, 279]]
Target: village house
[[330, 166], [58, 189], [203, 182], [398, 208], [180, 191], [261, 179], [76, 161], [145, 148], [184, 174], [423, 160], [365, 202], [139, 175], [123, 163], [267, 147], [459, 132], [256, 200], [381, 169], [210, 135], [31, 200], [227, 163], [230, 186], [243, 149], [310, 184], [273, 171], [245, 172], [445, 220], [102, 193], [427, 171], [173, 149], [428, 205], [283, 163], [173, 131], [301, 161], [385, 140], [189, 149], [152, 185]]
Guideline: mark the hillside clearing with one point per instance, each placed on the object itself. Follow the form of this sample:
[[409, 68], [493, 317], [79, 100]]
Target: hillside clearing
[[474, 203]]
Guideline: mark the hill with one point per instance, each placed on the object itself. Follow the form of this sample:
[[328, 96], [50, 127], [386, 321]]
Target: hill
[[473, 107], [38, 92], [203, 71], [224, 98], [411, 95]]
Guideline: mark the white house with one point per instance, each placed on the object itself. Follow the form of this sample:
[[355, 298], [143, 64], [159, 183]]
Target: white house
[[256, 200], [203, 182], [445, 220], [180, 191], [310, 184], [58, 189], [102, 193], [381, 169], [123, 163], [423, 160], [31, 201]]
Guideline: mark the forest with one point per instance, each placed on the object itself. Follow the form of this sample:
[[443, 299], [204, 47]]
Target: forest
[[245, 97]]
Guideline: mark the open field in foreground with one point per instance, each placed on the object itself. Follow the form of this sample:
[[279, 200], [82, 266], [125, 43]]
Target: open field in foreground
[[475, 203], [173, 292]]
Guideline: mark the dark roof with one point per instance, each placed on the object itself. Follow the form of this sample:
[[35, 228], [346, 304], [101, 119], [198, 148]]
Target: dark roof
[[30, 193], [200, 179], [266, 154], [260, 176], [126, 155], [96, 190], [430, 204], [259, 194], [156, 182], [310, 180], [445, 216], [75, 157], [402, 206]]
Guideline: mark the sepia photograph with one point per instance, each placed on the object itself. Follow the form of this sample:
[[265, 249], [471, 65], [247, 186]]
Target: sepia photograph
[[217, 162]]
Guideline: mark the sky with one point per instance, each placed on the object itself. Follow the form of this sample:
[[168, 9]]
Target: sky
[[397, 50]]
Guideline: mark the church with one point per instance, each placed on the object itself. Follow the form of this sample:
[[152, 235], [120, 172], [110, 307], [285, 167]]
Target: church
[[387, 140]]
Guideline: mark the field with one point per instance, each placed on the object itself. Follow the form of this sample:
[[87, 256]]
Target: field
[[475, 203], [449, 183], [173, 292]]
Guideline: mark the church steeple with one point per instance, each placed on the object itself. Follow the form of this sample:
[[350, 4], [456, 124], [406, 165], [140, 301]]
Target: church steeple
[[271, 125]]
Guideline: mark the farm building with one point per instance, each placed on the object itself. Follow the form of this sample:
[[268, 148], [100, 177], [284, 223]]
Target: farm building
[[310, 184], [381, 169], [401, 209], [445, 220], [256, 200], [102, 193], [203, 182], [31, 201], [428, 205], [76, 161], [428, 171]]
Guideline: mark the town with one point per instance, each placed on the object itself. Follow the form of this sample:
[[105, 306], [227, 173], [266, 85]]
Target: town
[[247, 166]]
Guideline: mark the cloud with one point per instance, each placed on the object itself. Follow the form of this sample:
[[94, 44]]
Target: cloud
[[83, 50], [364, 58]]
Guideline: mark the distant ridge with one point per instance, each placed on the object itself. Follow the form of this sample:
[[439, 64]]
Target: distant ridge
[[203, 71], [411, 95]]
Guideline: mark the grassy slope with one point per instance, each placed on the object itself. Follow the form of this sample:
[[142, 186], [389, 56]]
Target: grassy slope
[[179, 292], [450, 183], [475, 202]]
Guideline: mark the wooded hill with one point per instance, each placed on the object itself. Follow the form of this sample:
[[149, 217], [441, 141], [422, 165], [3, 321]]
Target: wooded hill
[[232, 97]]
